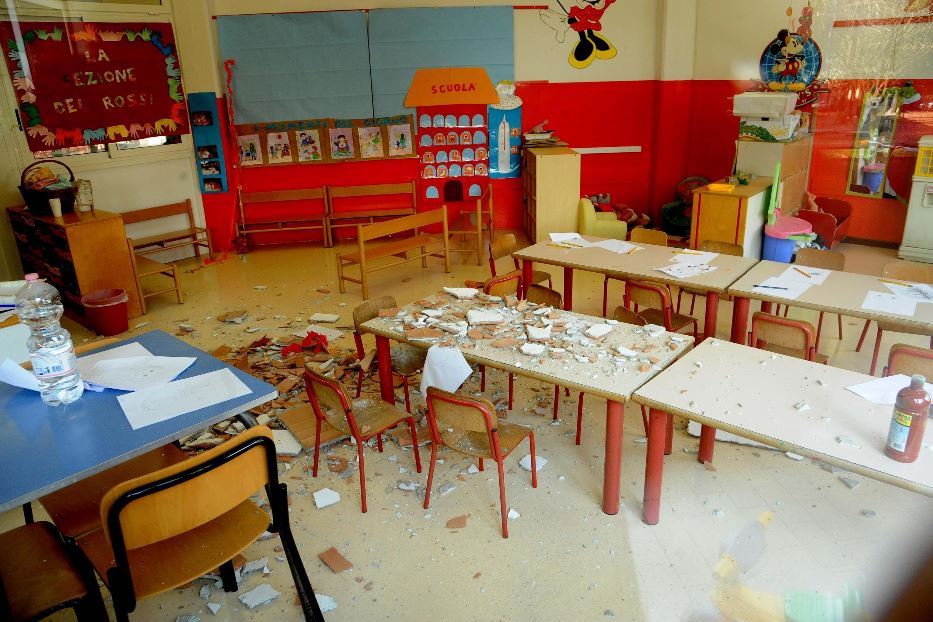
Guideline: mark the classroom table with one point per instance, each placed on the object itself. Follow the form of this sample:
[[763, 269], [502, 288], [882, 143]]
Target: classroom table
[[45, 448], [782, 401], [597, 377], [637, 265]]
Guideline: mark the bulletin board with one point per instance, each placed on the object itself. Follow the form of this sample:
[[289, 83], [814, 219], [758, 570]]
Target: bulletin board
[[316, 141], [85, 83]]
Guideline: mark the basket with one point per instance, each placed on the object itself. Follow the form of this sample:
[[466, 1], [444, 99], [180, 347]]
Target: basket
[[38, 200]]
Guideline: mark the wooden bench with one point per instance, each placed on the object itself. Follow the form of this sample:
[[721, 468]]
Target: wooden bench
[[348, 205], [192, 235], [302, 216], [399, 248]]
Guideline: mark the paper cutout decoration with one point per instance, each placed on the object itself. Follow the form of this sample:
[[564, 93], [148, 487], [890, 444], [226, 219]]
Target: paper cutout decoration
[[341, 143], [441, 156], [309, 145], [466, 138], [463, 121], [453, 138], [468, 155], [438, 120], [481, 169], [467, 170], [450, 121], [475, 190], [584, 19], [478, 120], [450, 86], [429, 172], [481, 153], [370, 139], [399, 140], [425, 140], [427, 158], [454, 155], [250, 150], [278, 148], [442, 170], [439, 139], [425, 120], [479, 138], [455, 170], [431, 192]]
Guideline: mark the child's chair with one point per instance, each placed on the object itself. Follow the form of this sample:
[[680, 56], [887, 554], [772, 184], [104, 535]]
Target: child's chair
[[784, 336], [909, 360], [640, 235], [815, 258], [655, 301], [504, 246], [907, 271], [471, 427], [407, 360], [362, 419]]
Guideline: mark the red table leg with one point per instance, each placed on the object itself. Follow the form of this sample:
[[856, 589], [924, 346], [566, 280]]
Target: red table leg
[[739, 320], [526, 278], [654, 466], [707, 440], [384, 356], [712, 314], [766, 306], [612, 470], [568, 289]]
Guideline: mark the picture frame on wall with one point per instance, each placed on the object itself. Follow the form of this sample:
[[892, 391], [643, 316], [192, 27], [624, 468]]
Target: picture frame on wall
[[341, 144], [309, 145], [202, 118], [278, 148], [371, 142], [250, 150], [400, 140]]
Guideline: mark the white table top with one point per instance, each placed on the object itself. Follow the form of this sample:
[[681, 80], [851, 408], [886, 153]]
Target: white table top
[[841, 292], [640, 264], [753, 393], [608, 375]]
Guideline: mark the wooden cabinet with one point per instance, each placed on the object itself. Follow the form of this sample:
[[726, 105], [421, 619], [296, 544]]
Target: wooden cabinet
[[737, 216], [551, 180], [759, 158], [78, 253]]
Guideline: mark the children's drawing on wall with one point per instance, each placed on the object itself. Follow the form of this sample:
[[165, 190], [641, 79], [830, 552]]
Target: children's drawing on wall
[[250, 152], [309, 145], [341, 143], [400, 140], [584, 18], [371, 142], [278, 148]]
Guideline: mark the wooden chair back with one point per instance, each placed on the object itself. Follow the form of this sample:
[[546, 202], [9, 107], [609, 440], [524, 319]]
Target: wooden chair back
[[503, 246], [782, 331], [330, 402], [464, 424], [504, 285], [909, 271], [621, 314], [910, 360], [177, 499], [644, 294], [640, 235], [365, 312], [815, 258], [541, 295], [159, 211], [723, 248], [401, 224]]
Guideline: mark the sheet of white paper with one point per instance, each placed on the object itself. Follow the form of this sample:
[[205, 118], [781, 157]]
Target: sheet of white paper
[[330, 333], [889, 303], [13, 342], [5, 315], [571, 239], [884, 390], [694, 257], [617, 246], [444, 368], [87, 362], [12, 373], [685, 270], [914, 291], [165, 401], [805, 274], [781, 288], [136, 373]]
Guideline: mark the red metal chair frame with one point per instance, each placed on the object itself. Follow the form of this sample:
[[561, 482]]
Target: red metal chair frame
[[664, 295], [804, 327], [900, 349], [435, 394], [310, 378]]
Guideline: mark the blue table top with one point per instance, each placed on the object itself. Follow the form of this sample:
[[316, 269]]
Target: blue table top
[[44, 448]]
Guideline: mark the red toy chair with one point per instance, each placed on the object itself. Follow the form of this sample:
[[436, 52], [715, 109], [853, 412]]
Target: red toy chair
[[471, 427], [830, 220], [362, 419]]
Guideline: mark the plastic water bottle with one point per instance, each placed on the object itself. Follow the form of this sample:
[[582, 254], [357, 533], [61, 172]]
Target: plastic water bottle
[[39, 306]]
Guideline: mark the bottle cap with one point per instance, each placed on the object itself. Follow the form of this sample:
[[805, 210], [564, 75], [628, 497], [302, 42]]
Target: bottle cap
[[32, 276], [917, 381]]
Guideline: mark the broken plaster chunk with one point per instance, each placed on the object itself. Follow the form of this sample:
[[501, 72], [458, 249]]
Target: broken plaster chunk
[[653, 330], [480, 317], [525, 462], [335, 561], [462, 293], [325, 602], [325, 497], [472, 469], [513, 514], [285, 443], [802, 405], [848, 442], [538, 334], [850, 482], [259, 595], [677, 338], [205, 592], [407, 486], [869, 513], [533, 349], [328, 318], [188, 618], [793, 456], [446, 488], [214, 607], [254, 565], [598, 331]]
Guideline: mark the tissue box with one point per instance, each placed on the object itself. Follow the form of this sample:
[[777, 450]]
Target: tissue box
[[769, 105], [768, 129]]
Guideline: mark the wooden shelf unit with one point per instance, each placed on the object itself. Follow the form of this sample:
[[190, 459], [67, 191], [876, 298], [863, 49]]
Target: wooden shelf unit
[[760, 157], [551, 181], [78, 253]]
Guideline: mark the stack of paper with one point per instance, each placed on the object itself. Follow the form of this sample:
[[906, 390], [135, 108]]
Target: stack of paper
[[686, 270], [618, 246], [570, 239], [779, 287], [694, 257]]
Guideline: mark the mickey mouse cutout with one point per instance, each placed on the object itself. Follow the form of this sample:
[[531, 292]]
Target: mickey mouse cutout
[[786, 72], [583, 18]]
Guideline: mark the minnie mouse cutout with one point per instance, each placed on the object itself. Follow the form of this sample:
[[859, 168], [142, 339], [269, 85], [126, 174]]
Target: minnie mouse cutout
[[584, 18]]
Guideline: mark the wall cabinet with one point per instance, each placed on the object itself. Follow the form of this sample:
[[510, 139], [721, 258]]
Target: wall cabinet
[[551, 180], [77, 253], [759, 158]]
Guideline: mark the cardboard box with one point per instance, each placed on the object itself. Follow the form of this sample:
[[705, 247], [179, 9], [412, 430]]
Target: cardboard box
[[778, 129], [768, 105]]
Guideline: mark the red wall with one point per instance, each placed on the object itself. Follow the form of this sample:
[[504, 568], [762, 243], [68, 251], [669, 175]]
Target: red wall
[[684, 128]]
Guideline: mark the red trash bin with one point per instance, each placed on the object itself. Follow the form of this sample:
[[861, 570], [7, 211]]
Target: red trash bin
[[106, 311]]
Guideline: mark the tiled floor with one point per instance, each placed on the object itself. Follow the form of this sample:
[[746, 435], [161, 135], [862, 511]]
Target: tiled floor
[[564, 559]]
